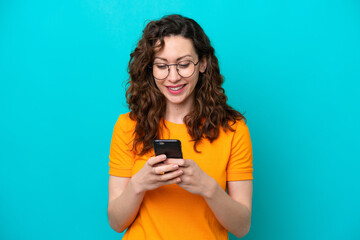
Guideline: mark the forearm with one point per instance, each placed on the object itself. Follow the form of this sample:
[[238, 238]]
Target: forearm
[[232, 215], [123, 209]]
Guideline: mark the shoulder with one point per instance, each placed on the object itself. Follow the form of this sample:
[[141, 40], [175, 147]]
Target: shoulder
[[125, 117], [239, 126], [125, 124], [241, 134], [236, 131]]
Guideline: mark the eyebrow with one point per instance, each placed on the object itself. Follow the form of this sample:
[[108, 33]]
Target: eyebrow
[[176, 59]]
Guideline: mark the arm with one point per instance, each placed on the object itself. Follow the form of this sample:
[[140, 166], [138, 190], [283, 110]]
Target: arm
[[124, 203], [126, 194], [233, 211]]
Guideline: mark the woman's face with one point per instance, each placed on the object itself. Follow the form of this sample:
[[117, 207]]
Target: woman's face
[[178, 90]]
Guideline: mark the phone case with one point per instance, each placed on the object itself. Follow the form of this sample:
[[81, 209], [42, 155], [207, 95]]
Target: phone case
[[170, 147]]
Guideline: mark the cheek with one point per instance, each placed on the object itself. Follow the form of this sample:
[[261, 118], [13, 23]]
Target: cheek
[[194, 80], [157, 88], [157, 85]]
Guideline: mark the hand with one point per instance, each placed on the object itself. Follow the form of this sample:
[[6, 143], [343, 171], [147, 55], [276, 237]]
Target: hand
[[156, 173], [193, 179]]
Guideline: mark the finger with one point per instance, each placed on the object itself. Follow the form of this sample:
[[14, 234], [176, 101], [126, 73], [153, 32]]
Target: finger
[[160, 169], [186, 163], [170, 175], [185, 180], [172, 181], [157, 159], [177, 161]]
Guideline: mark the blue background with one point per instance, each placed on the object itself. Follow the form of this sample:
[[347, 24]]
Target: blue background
[[292, 66]]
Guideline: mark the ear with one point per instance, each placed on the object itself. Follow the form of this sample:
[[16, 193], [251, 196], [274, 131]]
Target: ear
[[203, 65]]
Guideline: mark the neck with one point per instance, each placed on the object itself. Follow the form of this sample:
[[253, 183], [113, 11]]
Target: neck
[[176, 112]]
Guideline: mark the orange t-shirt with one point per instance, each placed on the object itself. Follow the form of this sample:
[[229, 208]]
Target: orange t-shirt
[[170, 212]]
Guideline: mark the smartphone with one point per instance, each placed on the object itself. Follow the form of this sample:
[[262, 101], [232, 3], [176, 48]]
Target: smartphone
[[170, 147]]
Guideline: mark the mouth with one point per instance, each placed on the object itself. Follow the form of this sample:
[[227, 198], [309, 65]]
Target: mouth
[[176, 89]]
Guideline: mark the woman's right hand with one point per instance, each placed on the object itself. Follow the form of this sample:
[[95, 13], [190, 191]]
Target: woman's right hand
[[156, 173]]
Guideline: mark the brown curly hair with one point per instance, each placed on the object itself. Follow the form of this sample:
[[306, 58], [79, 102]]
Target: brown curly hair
[[147, 104]]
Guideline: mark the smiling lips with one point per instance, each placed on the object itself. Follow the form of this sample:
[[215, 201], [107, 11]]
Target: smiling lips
[[176, 89]]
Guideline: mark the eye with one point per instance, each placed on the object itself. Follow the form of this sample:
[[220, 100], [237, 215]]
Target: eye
[[184, 64], [161, 66]]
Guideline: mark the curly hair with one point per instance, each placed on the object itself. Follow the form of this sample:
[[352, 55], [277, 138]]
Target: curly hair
[[147, 104]]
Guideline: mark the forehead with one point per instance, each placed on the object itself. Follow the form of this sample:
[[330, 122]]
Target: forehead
[[175, 47]]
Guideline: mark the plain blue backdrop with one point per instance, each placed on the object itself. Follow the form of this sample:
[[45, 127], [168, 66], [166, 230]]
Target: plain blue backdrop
[[293, 67]]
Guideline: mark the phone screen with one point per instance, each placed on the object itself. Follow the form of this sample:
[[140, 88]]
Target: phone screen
[[170, 147]]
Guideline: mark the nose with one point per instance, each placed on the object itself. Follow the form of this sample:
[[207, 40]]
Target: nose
[[173, 74]]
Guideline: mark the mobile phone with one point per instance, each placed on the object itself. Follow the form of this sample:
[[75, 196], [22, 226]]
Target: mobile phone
[[170, 147]]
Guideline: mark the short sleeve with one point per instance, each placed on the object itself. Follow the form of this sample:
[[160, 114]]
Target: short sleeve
[[240, 165], [121, 154]]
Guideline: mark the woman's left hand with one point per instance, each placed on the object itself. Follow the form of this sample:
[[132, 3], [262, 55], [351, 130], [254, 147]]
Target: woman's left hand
[[193, 179]]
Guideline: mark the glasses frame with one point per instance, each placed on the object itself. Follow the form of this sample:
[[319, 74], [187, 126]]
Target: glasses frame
[[177, 69]]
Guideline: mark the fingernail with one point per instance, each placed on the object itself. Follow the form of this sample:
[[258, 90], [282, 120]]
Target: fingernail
[[175, 166], [178, 180]]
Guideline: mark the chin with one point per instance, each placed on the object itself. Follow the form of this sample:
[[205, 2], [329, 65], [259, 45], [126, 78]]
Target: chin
[[176, 100]]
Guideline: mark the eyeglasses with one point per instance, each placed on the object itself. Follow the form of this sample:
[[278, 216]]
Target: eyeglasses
[[184, 68]]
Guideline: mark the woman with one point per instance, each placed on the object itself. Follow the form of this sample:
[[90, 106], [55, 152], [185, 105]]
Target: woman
[[175, 93]]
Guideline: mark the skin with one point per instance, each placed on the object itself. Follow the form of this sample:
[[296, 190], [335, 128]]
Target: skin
[[233, 210], [178, 48]]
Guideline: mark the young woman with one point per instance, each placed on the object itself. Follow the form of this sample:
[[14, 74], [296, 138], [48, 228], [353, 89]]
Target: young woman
[[175, 92]]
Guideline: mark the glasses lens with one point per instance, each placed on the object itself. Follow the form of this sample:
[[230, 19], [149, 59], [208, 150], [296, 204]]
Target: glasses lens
[[184, 68], [160, 71]]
